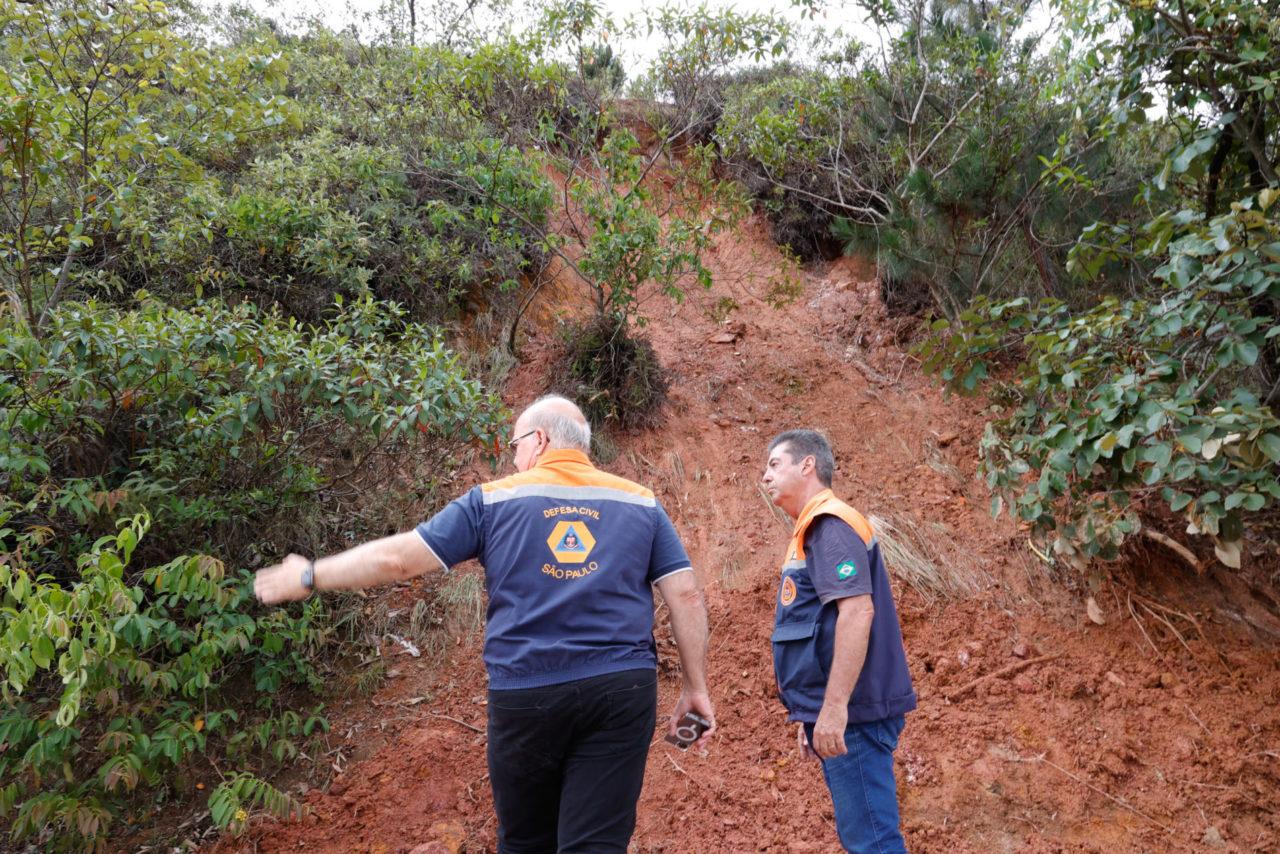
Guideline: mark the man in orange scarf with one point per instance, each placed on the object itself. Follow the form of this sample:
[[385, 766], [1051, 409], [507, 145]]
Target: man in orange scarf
[[837, 646]]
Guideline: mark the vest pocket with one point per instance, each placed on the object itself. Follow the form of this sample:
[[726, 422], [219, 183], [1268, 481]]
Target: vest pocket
[[792, 632], [801, 683]]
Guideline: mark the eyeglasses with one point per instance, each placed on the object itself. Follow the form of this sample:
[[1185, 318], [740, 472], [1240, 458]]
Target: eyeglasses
[[511, 446]]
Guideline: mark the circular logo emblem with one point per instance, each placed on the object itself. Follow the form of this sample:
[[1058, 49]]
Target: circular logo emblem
[[788, 591]]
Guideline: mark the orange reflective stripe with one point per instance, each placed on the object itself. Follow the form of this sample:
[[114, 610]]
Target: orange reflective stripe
[[566, 468]]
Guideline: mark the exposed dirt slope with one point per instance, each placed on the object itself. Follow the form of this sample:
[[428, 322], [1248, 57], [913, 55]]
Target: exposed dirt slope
[[1119, 740]]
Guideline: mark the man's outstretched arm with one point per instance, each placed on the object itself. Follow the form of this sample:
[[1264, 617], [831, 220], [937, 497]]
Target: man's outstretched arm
[[394, 558], [689, 625]]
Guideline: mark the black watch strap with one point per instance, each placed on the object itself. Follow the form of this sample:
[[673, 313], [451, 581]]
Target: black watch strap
[[309, 575]]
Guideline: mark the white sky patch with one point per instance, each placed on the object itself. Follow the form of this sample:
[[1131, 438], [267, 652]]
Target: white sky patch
[[636, 51], [836, 24]]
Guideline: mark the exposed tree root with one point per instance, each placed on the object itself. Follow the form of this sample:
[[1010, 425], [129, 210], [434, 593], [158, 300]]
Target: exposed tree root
[[1176, 547], [997, 674]]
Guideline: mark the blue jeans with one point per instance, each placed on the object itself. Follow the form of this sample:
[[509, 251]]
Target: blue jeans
[[862, 787]]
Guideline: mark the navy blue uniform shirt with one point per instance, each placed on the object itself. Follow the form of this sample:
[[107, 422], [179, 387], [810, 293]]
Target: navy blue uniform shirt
[[569, 554]]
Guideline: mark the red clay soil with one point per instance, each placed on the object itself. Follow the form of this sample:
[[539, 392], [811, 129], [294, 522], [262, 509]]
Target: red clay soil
[[1114, 737]]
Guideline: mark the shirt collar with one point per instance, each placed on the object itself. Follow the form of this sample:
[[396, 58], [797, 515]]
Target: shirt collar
[[562, 455]]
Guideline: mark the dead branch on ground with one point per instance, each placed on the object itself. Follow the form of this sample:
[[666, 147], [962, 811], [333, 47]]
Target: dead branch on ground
[[1007, 670]]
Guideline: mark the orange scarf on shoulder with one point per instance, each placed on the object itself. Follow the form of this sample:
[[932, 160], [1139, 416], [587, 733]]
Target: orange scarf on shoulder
[[826, 503]]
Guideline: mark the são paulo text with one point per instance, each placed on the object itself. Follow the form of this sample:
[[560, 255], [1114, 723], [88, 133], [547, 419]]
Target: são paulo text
[[561, 573]]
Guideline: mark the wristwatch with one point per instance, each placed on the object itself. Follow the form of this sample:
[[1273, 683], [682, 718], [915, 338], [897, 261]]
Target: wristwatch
[[309, 576]]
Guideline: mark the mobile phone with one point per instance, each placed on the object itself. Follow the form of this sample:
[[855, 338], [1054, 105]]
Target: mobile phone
[[688, 730]]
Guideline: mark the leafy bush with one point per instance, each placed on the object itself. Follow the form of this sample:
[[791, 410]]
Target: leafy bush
[[228, 431], [613, 373], [235, 429], [776, 137], [1161, 402], [1214, 66], [623, 237], [631, 237], [388, 171], [1135, 401], [484, 210], [118, 682], [601, 66], [510, 87], [434, 227], [931, 157], [697, 46], [230, 803], [98, 105], [455, 209]]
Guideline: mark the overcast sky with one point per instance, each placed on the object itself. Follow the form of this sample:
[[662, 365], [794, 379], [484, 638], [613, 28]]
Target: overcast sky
[[838, 21], [635, 52]]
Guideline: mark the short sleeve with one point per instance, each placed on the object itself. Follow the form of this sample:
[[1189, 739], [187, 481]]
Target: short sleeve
[[841, 565], [455, 533], [668, 554]]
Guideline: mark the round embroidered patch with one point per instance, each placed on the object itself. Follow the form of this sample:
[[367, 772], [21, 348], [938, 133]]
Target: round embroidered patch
[[788, 594]]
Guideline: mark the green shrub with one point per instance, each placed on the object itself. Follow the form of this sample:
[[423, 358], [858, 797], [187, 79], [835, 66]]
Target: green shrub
[[696, 47], [613, 374], [1136, 402], [435, 226], [388, 171], [430, 227], [103, 108], [235, 429], [120, 681], [227, 431], [422, 198], [484, 209], [942, 157], [776, 137], [231, 801], [602, 67]]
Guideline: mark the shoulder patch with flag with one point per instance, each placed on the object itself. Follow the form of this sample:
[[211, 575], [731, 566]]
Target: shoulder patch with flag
[[846, 569]]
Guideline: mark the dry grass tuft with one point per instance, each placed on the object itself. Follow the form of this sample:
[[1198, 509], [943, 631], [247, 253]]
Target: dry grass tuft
[[461, 602], [734, 575], [786, 521], [913, 554]]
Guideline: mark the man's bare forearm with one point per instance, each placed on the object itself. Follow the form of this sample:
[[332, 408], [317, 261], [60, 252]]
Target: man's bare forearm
[[853, 632], [374, 563], [689, 626]]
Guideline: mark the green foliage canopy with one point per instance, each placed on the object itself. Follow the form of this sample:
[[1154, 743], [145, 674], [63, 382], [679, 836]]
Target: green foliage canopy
[[95, 106], [1134, 401]]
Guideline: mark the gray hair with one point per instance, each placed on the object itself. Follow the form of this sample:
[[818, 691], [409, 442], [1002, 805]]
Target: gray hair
[[554, 415], [805, 443]]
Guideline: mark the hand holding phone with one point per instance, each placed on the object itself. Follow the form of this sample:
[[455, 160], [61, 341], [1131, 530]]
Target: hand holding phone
[[688, 730]]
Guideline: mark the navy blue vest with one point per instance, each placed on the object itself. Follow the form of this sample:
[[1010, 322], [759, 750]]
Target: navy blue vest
[[804, 632]]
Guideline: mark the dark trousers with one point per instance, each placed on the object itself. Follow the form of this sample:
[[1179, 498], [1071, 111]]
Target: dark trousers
[[567, 762]]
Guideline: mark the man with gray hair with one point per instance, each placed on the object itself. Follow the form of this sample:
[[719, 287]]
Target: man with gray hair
[[571, 554]]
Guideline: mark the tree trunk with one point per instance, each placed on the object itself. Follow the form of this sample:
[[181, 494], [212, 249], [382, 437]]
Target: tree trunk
[[413, 22], [1216, 164], [1048, 275]]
